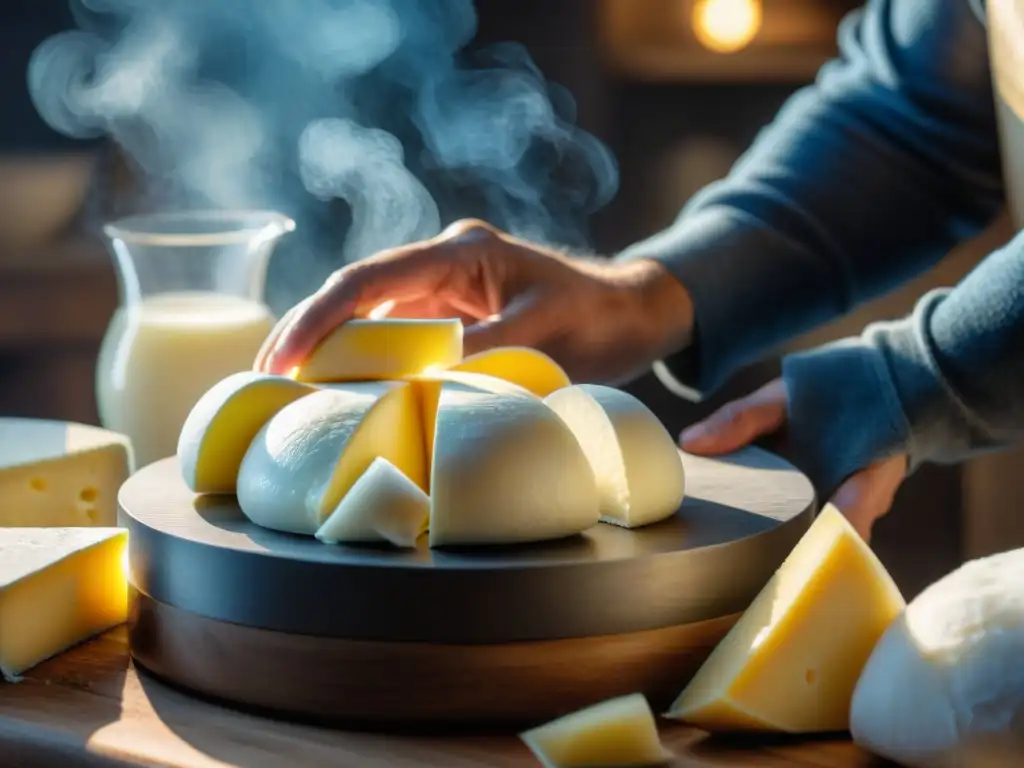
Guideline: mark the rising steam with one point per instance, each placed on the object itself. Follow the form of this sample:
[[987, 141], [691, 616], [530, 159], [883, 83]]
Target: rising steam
[[221, 102]]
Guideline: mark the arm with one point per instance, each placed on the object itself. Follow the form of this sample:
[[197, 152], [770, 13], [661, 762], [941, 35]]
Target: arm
[[940, 385], [864, 179]]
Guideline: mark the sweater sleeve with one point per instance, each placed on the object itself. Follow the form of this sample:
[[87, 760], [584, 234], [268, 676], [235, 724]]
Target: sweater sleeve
[[940, 385], [864, 179]]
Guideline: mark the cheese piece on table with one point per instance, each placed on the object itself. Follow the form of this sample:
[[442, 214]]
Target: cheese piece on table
[[371, 350], [310, 453], [945, 685], [636, 463], [505, 470], [791, 662], [529, 368], [221, 425], [382, 505], [58, 587], [617, 732], [58, 473]]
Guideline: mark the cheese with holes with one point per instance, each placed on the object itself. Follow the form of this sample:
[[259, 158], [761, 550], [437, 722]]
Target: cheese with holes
[[58, 587], [304, 460], [58, 473], [791, 662], [530, 369], [636, 463], [382, 506], [945, 685], [505, 470], [371, 350], [221, 425], [617, 732]]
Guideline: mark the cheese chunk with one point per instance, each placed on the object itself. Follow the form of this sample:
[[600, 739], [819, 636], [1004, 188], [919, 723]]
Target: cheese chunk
[[636, 463], [530, 369], [505, 470], [306, 457], [57, 473], [945, 685], [58, 587], [382, 505], [221, 425], [370, 350], [617, 732], [791, 662]]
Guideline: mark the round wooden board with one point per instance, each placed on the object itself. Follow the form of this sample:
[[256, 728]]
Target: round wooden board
[[200, 555]]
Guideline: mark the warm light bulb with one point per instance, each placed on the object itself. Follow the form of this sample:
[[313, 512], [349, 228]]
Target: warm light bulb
[[726, 26]]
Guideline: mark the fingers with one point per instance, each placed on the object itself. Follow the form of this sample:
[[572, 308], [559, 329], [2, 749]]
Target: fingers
[[868, 495], [526, 322], [739, 423], [260, 364]]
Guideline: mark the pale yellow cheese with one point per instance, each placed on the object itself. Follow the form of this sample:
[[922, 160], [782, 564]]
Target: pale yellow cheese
[[221, 425], [382, 506], [372, 350], [792, 661], [309, 454], [505, 470], [58, 587], [529, 368], [617, 732], [58, 473]]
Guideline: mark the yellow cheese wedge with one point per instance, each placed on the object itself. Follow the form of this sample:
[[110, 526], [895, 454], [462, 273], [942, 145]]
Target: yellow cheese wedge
[[636, 462], [221, 425], [58, 473], [372, 350], [617, 732], [505, 470], [791, 662], [382, 506], [530, 369], [306, 457], [58, 587]]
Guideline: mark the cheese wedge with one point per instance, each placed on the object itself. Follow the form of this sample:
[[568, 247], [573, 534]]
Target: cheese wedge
[[617, 732], [382, 506], [58, 473], [505, 470], [945, 686], [58, 587], [635, 461], [530, 369], [310, 453], [791, 662], [221, 425], [372, 350]]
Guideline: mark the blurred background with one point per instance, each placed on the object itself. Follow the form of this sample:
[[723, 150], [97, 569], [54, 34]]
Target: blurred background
[[677, 89]]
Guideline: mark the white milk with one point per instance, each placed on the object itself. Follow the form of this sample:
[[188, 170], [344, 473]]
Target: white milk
[[160, 355]]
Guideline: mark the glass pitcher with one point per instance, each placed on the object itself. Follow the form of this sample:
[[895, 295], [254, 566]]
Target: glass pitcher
[[191, 313]]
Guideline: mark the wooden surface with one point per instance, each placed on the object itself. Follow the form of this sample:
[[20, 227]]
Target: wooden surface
[[91, 709]]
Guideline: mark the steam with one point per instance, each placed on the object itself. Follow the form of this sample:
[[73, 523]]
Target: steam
[[289, 103]]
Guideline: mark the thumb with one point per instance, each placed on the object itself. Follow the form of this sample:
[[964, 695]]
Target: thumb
[[738, 423], [525, 322], [868, 495]]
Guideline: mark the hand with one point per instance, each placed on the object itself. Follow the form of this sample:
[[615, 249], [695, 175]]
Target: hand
[[601, 322], [864, 497]]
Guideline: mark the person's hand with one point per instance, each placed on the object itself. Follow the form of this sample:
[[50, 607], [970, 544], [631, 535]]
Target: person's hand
[[601, 321], [864, 497]]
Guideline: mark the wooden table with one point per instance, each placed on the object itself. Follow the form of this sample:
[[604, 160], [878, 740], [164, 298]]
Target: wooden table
[[89, 708]]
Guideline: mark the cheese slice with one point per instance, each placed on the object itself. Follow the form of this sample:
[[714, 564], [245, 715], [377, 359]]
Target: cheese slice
[[306, 457], [371, 350], [221, 425], [58, 587], [617, 732], [382, 506], [791, 662], [58, 473], [505, 470], [636, 463], [529, 368], [945, 685]]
